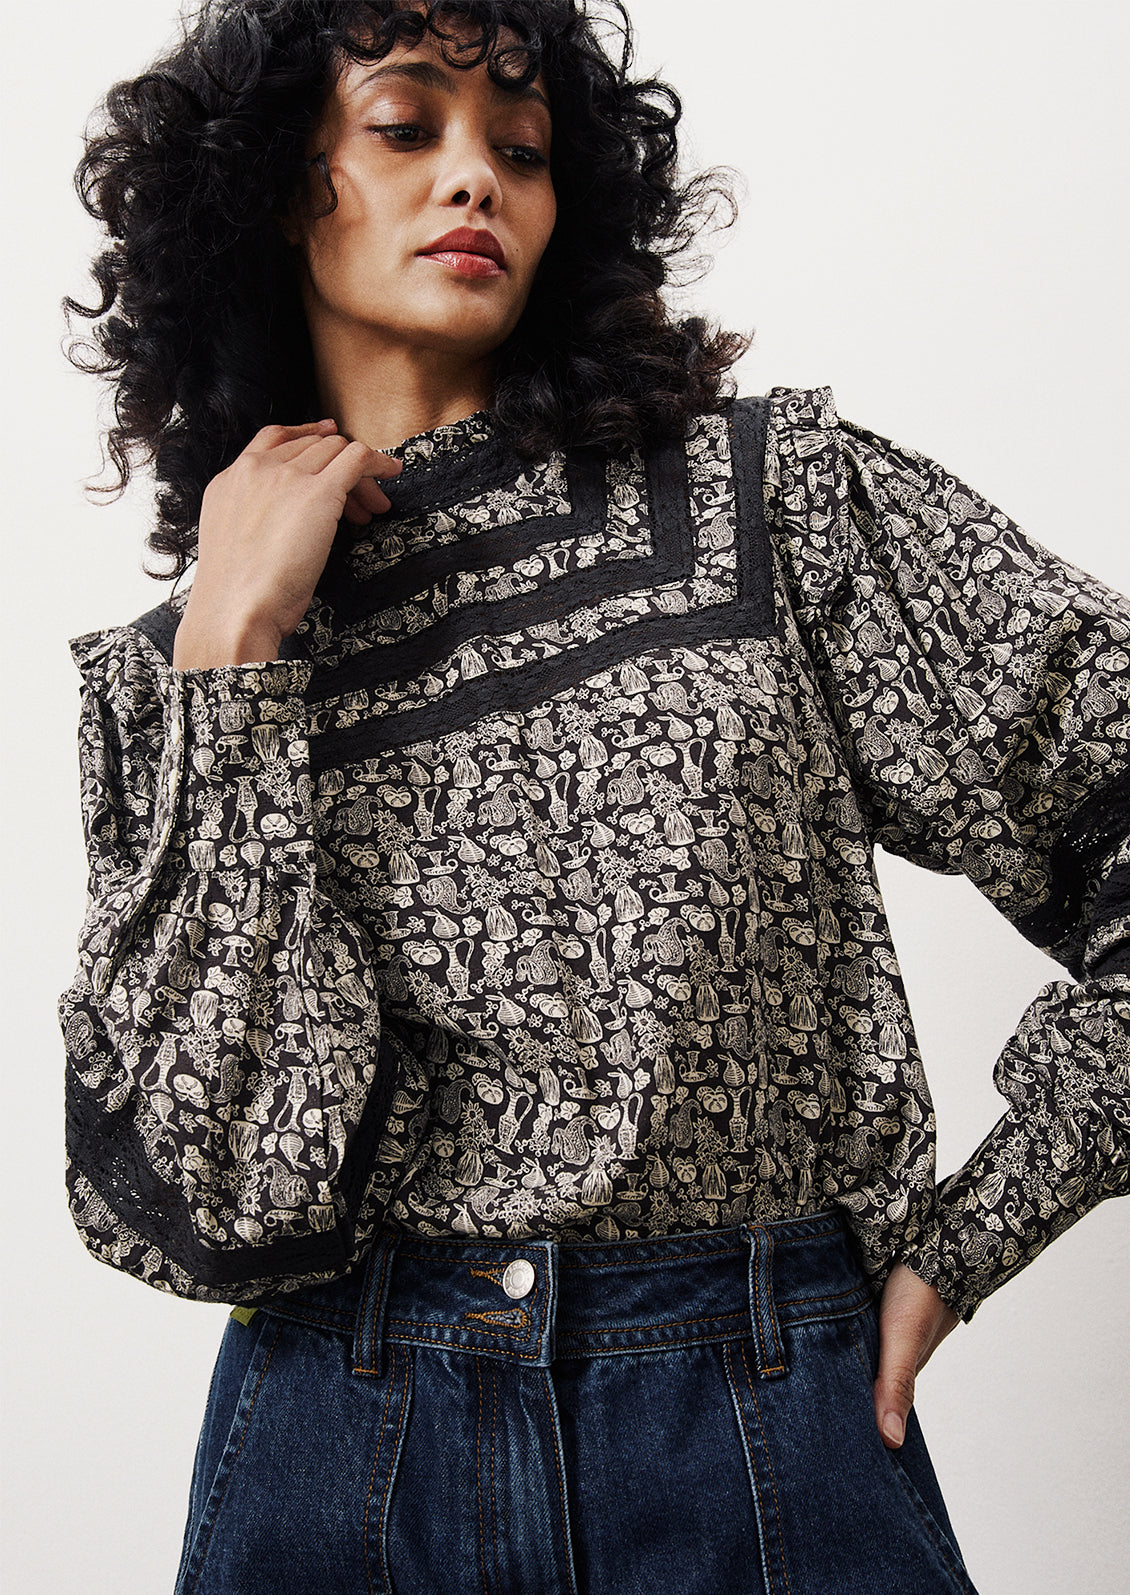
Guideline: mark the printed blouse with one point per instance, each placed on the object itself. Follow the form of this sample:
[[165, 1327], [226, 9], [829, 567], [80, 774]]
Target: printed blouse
[[532, 894]]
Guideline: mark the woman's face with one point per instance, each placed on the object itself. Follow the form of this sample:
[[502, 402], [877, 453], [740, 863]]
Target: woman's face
[[419, 150]]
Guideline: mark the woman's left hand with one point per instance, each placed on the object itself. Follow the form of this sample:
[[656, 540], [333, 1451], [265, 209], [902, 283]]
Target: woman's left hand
[[913, 1320]]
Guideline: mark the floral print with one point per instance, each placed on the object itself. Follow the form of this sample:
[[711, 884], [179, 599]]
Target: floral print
[[533, 894]]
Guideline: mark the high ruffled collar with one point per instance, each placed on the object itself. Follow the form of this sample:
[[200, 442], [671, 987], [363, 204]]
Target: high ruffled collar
[[445, 442], [443, 467]]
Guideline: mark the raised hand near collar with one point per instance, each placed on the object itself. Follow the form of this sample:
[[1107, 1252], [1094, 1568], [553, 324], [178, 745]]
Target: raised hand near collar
[[267, 524]]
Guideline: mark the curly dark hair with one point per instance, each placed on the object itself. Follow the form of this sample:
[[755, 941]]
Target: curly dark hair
[[200, 328]]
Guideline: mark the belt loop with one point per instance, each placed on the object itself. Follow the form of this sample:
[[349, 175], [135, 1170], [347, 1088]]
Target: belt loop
[[553, 1292], [368, 1339], [768, 1348]]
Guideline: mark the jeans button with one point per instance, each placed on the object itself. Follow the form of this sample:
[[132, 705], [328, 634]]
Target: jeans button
[[518, 1278]]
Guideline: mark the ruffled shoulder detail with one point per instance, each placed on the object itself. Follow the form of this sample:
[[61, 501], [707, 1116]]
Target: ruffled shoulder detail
[[91, 648], [119, 660], [805, 409], [806, 487]]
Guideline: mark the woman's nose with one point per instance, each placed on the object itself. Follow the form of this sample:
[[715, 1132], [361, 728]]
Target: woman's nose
[[469, 180]]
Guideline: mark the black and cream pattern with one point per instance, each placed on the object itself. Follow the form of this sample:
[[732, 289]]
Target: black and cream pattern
[[533, 893]]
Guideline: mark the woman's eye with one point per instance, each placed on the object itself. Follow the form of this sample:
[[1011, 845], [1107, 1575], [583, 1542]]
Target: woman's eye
[[525, 155], [410, 135], [403, 133]]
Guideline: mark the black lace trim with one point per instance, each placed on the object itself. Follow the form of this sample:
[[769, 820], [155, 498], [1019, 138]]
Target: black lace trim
[[160, 626], [106, 1149], [1115, 962], [501, 545], [673, 557], [452, 478], [447, 482], [431, 485], [1113, 901], [1088, 836], [749, 428]]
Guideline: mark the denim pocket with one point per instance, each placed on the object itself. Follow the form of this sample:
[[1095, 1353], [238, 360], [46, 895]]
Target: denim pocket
[[911, 1462], [237, 1379], [298, 1500], [836, 1510]]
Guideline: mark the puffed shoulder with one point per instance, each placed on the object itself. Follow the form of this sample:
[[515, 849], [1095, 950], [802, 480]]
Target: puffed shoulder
[[805, 409], [117, 659], [842, 500], [805, 487]]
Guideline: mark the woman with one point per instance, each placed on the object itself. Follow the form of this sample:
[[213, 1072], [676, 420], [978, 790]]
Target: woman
[[485, 978]]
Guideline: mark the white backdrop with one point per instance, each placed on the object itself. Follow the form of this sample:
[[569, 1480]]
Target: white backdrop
[[934, 226]]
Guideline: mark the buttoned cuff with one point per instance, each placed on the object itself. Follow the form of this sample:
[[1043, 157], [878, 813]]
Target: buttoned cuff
[[236, 767]]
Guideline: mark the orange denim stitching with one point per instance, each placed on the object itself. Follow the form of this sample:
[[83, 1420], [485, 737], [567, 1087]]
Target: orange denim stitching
[[364, 1307], [675, 1323], [444, 1323], [501, 1328]]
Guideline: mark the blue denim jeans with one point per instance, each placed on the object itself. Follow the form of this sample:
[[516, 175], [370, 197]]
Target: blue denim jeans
[[692, 1414]]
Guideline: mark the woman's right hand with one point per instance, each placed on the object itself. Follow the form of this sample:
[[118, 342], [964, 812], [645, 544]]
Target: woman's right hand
[[267, 524]]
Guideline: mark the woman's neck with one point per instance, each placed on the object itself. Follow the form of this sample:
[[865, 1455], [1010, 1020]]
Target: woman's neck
[[384, 397]]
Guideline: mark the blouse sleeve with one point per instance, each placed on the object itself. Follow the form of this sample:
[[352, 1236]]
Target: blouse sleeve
[[222, 1030], [981, 690]]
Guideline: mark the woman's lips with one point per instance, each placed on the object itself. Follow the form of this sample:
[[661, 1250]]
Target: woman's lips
[[470, 251], [465, 264]]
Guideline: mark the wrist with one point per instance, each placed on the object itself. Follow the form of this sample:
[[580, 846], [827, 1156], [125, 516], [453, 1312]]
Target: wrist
[[208, 644]]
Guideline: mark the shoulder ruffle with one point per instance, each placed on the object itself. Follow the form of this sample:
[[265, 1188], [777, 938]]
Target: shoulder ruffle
[[806, 487], [120, 666]]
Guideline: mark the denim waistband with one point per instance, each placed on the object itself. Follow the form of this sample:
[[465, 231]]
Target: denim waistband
[[585, 1299]]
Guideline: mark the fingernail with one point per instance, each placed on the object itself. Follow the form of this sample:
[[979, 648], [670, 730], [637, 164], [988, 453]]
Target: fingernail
[[894, 1429]]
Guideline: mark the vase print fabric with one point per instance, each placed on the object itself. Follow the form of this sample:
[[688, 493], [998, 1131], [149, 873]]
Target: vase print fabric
[[533, 895]]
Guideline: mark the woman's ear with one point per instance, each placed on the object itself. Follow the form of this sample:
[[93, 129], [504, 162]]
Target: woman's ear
[[288, 220], [301, 207]]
